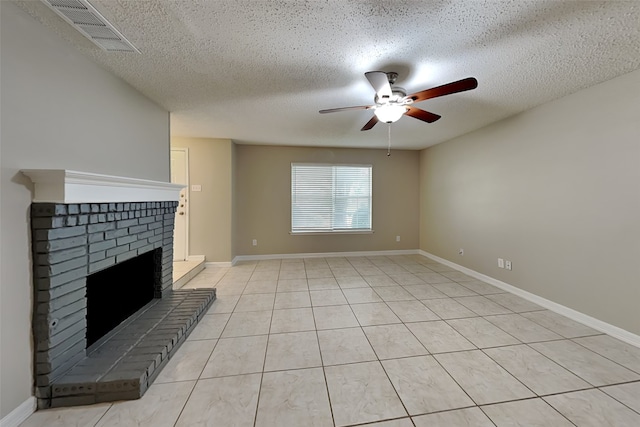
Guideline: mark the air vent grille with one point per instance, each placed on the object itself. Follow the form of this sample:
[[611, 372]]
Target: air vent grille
[[67, 3], [86, 19], [99, 32], [80, 16]]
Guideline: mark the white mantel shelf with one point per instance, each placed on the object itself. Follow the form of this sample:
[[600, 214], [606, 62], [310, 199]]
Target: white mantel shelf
[[67, 186]]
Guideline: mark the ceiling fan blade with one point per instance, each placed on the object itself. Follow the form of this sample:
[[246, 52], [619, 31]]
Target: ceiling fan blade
[[359, 107], [371, 123], [419, 114], [380, 82], [454, 87]]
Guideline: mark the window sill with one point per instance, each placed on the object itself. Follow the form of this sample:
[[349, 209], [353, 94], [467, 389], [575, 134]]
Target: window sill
[[321, 233]]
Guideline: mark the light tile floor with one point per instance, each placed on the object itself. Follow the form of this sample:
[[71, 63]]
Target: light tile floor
[[378, 341]]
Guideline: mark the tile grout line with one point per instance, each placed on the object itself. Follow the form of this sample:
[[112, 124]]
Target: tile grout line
[[195, 384], [553, 361], [564, 367], [186, 401], [324, 373], [615, 398], [264, 362], [102, 416], [382, 366], [573, 340]]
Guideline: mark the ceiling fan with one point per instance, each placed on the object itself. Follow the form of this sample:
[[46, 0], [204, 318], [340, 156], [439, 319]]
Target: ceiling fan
[[392, 102]]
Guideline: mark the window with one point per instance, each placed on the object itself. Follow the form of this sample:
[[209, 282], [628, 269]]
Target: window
[[329, 198]]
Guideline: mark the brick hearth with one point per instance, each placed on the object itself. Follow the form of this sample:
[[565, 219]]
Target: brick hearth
[[72, 241]]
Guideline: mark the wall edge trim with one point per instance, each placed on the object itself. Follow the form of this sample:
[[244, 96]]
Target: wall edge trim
[[592, 322], [19, 414], [219, 263], [239, 258]]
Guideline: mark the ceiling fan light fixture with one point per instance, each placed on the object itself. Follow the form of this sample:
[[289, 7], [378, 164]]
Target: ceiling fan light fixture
[[392, 102], [390, 113]]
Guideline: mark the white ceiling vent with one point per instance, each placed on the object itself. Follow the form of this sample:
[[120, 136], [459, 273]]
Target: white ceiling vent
[[86, 19]]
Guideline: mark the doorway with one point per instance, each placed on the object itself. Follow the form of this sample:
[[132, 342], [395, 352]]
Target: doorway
[[180, 175]]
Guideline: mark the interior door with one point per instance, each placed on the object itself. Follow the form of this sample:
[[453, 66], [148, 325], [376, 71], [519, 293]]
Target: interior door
[[180, 175]]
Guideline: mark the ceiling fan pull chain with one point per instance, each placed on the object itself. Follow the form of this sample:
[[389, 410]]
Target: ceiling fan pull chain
[[389, 146]]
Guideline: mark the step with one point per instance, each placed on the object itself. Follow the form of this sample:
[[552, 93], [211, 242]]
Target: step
[[126, 364]]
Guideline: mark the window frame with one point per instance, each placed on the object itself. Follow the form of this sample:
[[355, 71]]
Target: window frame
[[321, 231]]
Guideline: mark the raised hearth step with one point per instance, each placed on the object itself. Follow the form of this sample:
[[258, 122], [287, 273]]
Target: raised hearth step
[[125, 365]]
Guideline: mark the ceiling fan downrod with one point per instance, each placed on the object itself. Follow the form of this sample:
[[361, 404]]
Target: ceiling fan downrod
[[389, 145], [392, 77]]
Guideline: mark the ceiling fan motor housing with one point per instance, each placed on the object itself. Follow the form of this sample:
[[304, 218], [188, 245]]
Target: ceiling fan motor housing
[[397, 95], [392, 77]]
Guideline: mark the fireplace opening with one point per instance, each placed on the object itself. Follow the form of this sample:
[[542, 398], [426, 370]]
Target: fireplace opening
[[114, 294]]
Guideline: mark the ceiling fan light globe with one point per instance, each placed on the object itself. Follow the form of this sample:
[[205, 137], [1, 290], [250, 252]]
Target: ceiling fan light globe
[[390, 113]]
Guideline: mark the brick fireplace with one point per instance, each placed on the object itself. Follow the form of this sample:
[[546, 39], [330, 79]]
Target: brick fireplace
[[105, 317]]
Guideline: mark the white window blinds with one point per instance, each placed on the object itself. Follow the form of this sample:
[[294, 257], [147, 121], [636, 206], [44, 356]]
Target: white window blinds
[[330, 197]]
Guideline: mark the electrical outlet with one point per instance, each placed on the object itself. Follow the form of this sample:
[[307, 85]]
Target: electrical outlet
[[255, 242], [500, 263], [397, 238], [507, 265], [460, 251]]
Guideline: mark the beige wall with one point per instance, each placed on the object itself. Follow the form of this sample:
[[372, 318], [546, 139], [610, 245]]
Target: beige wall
[[234, 209], [210, 219], [59, 110], [556, 190], [263, 196]]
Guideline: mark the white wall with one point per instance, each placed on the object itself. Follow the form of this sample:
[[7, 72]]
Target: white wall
[[556, 190], [59, 110]]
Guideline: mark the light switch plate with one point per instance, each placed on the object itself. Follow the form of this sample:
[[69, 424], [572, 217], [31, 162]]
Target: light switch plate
[[196, 187]]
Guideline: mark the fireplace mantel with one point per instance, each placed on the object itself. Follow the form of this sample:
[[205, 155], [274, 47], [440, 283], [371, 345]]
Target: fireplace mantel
[[67, 186]]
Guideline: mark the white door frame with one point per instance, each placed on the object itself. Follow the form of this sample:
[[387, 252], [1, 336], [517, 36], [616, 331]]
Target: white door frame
[[188, 201]]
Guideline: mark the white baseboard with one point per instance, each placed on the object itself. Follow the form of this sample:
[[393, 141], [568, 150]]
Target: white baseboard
[[21, 413], [592, 322], [195, 258], [324, 255], [219, 264]]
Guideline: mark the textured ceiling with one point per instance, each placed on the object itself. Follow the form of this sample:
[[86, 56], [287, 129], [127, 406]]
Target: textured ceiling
[[258, 71]]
